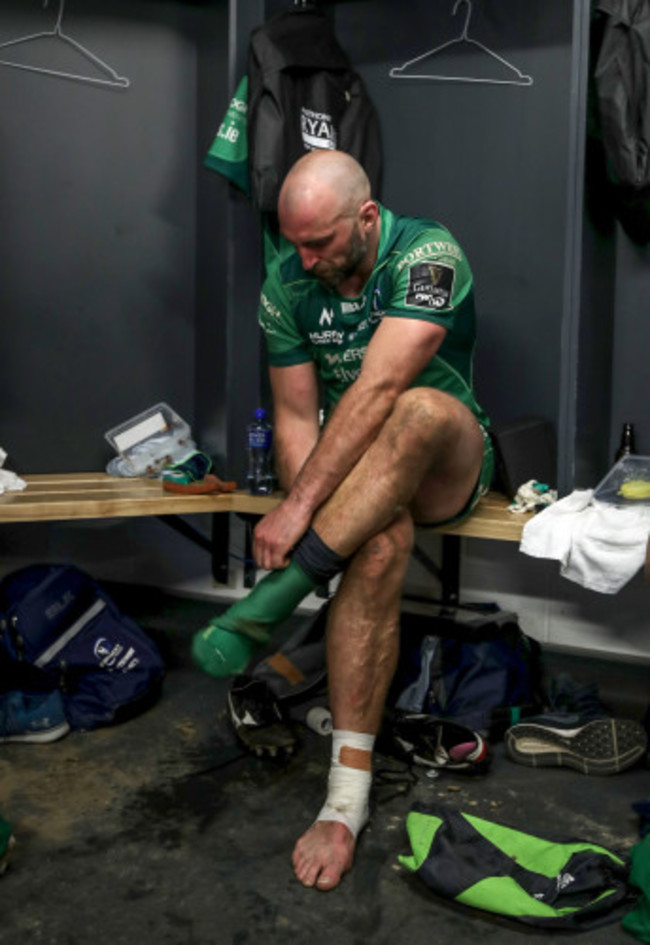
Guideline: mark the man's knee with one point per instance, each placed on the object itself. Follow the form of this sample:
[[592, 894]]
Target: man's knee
[[388, 550], [426, 422], [426, 414]]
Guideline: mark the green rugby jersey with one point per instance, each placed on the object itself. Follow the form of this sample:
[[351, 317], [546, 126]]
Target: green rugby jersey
[[421, 272]]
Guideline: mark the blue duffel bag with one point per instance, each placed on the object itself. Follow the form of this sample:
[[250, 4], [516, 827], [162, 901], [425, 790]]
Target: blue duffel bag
[[61, 630]]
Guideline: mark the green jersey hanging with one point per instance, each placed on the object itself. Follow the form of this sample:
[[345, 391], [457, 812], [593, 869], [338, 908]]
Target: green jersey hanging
[[228, 154]]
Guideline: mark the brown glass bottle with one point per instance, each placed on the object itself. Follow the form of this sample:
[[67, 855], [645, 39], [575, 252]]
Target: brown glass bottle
[[626, 447]]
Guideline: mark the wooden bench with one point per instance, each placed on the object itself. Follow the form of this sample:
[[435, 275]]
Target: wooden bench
[[64, 497]]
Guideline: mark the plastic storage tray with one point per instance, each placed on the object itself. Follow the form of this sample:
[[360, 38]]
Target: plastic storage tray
[[625, 470], [149, 442]]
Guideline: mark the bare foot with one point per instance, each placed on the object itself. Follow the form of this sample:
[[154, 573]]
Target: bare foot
[[323, 854]]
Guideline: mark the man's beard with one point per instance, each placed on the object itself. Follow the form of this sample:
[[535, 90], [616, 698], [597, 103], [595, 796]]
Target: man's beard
[[333, 276]]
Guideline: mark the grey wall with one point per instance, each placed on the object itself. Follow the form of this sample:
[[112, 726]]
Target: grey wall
[[229, 365], [631, 343], [98, 224]]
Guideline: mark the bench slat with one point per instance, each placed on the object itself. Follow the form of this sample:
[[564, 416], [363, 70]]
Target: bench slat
[[490, 519], [62, 496], [85, 496]]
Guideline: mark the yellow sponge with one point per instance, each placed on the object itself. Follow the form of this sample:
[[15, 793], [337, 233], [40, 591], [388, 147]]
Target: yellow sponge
[[635, 489]]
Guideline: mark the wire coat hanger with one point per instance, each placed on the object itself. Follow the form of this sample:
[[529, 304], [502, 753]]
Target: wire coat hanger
[[114, 80], [400, 72]]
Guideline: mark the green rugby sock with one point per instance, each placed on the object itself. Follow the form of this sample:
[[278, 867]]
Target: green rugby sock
[[227, 644]]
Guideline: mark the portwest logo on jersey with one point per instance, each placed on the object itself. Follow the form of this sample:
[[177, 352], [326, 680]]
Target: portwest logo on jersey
[[326, 317], [427, 250], [318, 130]]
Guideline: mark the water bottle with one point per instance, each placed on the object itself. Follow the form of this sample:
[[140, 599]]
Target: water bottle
[[259, 441]]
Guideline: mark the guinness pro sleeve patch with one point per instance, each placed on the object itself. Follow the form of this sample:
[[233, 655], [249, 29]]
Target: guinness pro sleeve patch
[[430, 285]]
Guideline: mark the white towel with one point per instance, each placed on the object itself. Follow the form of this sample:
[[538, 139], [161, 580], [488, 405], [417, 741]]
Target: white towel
[[598, 545]]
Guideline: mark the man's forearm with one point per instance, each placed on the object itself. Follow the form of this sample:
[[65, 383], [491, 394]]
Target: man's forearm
[[291, 450], [351, 429]]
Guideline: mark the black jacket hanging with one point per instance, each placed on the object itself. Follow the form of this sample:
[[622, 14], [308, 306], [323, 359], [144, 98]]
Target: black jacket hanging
[[304, 95], [622, 86]]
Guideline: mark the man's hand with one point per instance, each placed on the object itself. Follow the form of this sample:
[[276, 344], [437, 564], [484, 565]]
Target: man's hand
[[278, 533]]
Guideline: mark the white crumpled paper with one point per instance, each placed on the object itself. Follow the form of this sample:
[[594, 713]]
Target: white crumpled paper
[[9, 481]]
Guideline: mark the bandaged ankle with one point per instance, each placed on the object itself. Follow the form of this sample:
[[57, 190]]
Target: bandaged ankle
[[317, 559], [228, 643], [350, 777]]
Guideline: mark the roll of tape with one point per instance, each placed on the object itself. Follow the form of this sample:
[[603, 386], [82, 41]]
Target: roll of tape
[[319, 720]]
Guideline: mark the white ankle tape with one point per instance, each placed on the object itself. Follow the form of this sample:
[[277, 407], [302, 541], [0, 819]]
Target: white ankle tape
[[349, 782]]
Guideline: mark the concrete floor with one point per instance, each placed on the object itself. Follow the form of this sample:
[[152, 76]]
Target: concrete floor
[[163, 830]]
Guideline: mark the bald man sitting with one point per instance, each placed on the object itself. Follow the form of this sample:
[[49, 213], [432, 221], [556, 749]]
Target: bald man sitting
[[380, 308]]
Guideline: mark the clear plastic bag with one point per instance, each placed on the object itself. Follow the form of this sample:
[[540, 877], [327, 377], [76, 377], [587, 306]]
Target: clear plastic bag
[[149, 442]]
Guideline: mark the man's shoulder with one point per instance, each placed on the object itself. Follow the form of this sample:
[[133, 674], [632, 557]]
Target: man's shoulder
[[425, 270], [408, 232], [285, 272]]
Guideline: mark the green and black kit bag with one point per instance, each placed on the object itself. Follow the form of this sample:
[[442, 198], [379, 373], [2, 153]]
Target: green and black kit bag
[[571, 884]]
